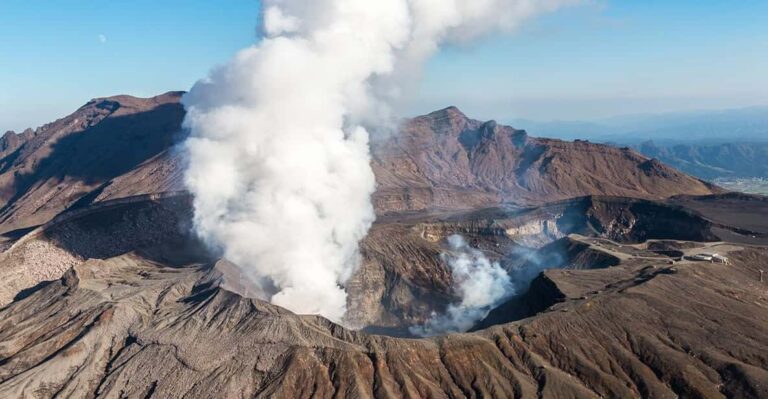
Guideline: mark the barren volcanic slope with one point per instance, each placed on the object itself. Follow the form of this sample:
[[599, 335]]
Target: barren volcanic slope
[[44, 171], [114, 297], [121, 146], [163, 320], [446, 160]]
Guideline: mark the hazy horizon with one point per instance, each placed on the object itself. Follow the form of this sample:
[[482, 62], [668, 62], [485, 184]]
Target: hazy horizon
[[596, 60]]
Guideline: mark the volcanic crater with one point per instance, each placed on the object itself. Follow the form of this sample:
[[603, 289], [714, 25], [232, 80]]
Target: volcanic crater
[[108, 293]]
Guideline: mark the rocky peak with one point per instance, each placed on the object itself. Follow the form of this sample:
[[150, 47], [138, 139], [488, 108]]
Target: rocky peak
[[11, 140], [445, 121], [103, 139], [450, 112]]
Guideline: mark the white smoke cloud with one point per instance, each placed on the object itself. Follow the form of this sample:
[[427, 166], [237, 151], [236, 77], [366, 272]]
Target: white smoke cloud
[[481, 284], [278, 158]]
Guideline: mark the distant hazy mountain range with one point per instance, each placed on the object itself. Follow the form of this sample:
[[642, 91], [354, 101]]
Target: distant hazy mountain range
[[706, 144], [711, 161], [735, 125]]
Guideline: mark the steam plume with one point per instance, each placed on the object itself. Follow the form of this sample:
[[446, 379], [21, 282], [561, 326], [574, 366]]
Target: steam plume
[[278, 156], [481, 284]]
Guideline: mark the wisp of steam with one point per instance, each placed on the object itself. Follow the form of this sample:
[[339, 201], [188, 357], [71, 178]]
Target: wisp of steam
[[481, 284], [278, 149]]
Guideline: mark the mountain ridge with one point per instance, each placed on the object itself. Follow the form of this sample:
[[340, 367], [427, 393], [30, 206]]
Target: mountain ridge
[[446, 157], [440, 160]]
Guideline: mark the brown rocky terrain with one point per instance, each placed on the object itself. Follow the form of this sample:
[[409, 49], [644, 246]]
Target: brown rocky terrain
[[164, 320], [401, 280], [122, 146], [446, 160], [45, 171], [106, 293]]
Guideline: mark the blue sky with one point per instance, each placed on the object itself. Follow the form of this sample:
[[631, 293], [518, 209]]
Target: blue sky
[[605, 58]]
